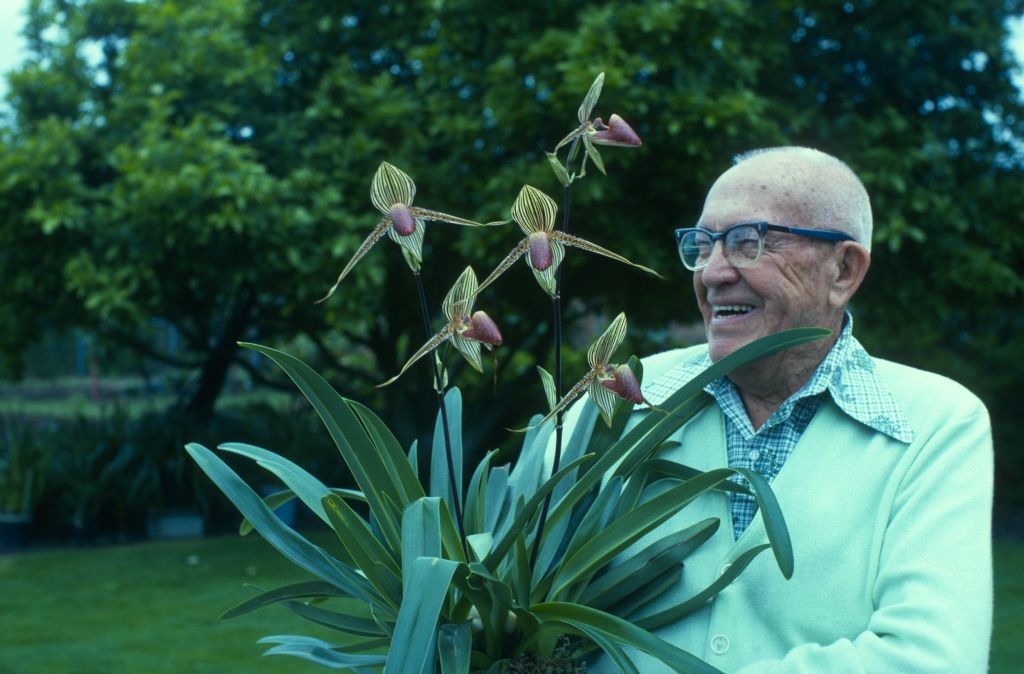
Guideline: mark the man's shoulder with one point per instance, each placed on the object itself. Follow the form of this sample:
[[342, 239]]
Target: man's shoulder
[[659, 363], [665, 372], [923, 393]]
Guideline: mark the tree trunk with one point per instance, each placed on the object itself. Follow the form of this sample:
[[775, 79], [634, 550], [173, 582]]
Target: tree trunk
[[200, 406]]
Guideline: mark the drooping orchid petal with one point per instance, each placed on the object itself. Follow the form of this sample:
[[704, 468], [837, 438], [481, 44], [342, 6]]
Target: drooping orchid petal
[[620, 380], [392, 193], [482, 329]]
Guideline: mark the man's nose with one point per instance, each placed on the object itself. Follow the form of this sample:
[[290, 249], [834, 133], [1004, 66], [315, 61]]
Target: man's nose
[[718, 270]]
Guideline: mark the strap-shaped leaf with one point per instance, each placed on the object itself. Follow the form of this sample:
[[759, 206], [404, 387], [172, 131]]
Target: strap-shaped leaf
[[306, 487], [476, 495], [454, 646], [774, 523], [304, 590], [398, 465], [534, 211], [369, 469], [623, 632], [286, 540], [459, 300], [640, 568], [354, 534], [583, 244], [421, 535], [590, 100], [391, 186], [439, 474], [414, 643], [682, 609], [600, 352], [681, 406], [341, 621], [321, 652], [629, 528]]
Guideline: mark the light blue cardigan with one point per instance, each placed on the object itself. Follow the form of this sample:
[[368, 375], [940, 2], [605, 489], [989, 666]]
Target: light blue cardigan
[[892, 543]]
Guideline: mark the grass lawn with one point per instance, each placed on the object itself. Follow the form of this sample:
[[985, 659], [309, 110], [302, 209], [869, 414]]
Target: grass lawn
[[152, 608]]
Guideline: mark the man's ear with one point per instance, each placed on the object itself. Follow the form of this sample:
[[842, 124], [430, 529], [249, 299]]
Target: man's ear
[[852, 262]]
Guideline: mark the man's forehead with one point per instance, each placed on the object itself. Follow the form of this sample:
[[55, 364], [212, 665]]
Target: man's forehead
[[762, 188]]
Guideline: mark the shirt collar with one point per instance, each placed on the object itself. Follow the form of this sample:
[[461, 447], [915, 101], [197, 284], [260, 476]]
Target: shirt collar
[[847, 373]]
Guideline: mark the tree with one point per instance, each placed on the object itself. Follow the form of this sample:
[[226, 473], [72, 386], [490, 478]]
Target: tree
[[209, 163]]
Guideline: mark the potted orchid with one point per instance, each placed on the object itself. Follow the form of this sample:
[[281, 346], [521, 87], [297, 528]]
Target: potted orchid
[[504, 572]]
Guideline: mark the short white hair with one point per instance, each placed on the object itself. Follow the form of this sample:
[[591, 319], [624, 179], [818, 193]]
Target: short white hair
[[840, 200]]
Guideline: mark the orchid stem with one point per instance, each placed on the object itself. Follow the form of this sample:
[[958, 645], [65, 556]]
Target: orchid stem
[[556, 302], [455, 481]]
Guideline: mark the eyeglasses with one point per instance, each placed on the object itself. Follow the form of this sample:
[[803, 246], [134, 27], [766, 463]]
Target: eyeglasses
[[742, 243]]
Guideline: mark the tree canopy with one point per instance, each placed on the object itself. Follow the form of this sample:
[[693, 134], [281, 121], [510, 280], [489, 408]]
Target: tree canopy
[[209, 164]]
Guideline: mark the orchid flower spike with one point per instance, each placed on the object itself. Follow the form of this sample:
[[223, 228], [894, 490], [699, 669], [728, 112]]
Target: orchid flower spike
[[544, 246], [590, 132], [392, 192], [466, 329]]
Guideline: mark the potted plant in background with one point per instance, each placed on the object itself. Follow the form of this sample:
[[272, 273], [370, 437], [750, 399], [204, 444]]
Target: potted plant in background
[[512, 571]]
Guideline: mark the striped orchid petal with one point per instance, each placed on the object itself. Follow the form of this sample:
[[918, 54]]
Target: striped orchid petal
[[391, 186], [534, 211], [600, 352]]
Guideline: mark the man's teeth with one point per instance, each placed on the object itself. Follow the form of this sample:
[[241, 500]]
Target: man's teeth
[[732, 309]]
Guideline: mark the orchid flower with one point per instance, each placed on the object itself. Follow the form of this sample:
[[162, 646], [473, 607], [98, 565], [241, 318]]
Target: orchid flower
[[593, 132], [466, 329], [392, 192], [544, 246], [604, 382]]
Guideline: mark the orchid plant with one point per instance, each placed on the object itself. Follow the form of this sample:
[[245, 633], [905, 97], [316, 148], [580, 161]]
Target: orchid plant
[[506, 571]]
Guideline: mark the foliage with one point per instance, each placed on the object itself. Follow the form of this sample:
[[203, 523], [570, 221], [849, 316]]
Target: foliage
[[156, 150], [23, 466], [477, 602]]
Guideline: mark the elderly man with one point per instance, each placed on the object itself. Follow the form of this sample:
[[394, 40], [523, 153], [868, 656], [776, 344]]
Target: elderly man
[[883, 472]]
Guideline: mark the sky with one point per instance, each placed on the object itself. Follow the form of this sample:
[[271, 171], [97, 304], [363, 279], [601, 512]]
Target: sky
[[12, 45]]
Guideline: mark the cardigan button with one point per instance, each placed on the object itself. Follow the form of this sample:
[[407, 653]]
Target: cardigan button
[[719, 644]]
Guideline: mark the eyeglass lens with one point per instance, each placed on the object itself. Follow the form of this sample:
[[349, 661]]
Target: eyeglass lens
[[742, 247]]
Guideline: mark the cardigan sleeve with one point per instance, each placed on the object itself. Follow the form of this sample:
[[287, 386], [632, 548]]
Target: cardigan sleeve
[[932, 593]]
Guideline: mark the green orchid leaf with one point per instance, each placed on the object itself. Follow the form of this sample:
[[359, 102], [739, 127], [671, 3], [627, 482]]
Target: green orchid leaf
[[365, 550], [370, 470], [600, 352], [305, 590], [632, 574], [421, 535], [401, 469], [682, 609], [454, 646], [534, 211], [439, 473], [590, 100], [321, 652], [622, 632], [774, 524], [415, 640], [391, 186], [287, 541], [476, 495], [342, 621], [680, 407]]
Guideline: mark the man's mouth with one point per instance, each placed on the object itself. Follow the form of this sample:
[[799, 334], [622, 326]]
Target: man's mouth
[[730, 310]]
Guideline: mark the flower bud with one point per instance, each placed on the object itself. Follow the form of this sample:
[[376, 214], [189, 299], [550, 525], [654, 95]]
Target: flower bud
[[616, 132], [402, 220], [482, 329], [540, 251], [621, 381]]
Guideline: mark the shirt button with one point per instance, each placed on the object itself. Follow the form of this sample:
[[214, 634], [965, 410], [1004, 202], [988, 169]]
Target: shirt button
[[719, 644], [754, 455]]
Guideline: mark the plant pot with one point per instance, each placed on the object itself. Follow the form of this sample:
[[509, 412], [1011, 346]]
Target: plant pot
[[175, 525], [14, 531]]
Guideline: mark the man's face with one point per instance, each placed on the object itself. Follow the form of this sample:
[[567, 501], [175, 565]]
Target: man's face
[[787, 288]]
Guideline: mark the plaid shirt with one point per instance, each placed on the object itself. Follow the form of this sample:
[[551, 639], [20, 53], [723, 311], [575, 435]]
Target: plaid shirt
[[847, 374]]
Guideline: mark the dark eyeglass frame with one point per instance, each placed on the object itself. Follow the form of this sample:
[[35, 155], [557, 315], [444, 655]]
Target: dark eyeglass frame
[[762, 228]]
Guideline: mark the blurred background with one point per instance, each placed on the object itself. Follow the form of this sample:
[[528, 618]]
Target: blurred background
[[176, 177]]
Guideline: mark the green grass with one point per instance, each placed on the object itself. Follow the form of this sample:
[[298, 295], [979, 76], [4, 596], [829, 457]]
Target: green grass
[[1008, 633], [145, 608], [152, 608]]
